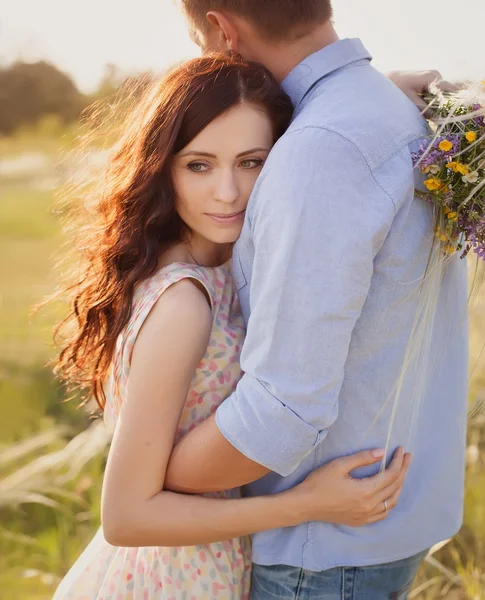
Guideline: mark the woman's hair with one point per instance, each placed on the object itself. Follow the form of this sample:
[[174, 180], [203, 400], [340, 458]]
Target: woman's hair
[[134, 219]]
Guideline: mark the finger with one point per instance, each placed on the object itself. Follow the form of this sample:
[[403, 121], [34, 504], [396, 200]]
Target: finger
[[417, 100], [427, 109], [384, 507], [387, 503], [389, 476], [390, 496], [446, 86], [376, 518], [361, 459], [430, 78], [397, 485], [394, 499], [460, 85]]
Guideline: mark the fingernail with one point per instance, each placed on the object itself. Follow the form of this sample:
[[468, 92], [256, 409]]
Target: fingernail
[[378, 453]]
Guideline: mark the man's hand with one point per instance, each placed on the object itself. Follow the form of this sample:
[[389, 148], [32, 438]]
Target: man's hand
[[415, 84]]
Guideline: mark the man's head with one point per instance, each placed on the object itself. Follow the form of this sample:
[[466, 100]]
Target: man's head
[[236, 24]]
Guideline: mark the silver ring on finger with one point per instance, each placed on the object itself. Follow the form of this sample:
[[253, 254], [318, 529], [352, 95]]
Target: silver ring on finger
[[386, 506]]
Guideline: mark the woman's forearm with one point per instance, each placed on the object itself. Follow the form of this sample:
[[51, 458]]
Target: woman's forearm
[[171, 519], [328, 494]]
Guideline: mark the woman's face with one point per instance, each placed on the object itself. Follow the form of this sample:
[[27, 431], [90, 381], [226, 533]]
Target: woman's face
[[215, 173]]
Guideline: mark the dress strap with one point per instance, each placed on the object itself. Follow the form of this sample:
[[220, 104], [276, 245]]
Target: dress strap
[[146, 296], [149, 292]]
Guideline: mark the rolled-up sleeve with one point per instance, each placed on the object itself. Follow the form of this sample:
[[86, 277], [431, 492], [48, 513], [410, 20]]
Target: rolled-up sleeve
[[318, 218]]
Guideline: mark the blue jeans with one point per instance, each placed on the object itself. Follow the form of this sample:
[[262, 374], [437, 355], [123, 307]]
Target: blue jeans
[[389, 581]]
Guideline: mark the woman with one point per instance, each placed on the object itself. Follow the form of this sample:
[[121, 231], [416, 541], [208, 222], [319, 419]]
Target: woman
[[158, 333]]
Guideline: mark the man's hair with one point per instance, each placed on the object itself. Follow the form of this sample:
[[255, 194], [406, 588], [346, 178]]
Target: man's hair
[[275, 19]]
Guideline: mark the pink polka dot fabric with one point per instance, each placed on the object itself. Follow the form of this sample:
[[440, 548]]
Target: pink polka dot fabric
[[221, 570]]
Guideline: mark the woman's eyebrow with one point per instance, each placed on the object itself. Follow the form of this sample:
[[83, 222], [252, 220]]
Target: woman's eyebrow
[[209, 155], [197, 153], [251, 151]]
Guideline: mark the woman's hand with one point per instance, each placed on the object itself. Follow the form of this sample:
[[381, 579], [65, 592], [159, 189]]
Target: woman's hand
[[331, 494]]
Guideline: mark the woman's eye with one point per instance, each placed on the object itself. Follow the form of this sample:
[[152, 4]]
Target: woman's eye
[[198, 167], [251, 163]]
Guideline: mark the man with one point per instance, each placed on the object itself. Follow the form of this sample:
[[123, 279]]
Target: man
[[327, 267]]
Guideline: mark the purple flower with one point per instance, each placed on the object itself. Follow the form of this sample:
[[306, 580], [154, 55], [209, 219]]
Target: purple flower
[[454, 138], [436, 155], [478, 120], [474, 231]]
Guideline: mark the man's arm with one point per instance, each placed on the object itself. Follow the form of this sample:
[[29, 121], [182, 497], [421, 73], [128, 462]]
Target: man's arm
[[218, 465], [318, 221]]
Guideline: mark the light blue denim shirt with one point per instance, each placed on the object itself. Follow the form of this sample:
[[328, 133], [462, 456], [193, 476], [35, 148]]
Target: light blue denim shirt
[[327, 266]]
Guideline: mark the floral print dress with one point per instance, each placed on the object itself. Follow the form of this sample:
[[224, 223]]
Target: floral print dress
[[220, 570]]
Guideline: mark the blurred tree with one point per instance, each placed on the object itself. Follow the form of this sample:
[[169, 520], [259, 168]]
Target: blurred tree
[[30, 91], [109, 84]]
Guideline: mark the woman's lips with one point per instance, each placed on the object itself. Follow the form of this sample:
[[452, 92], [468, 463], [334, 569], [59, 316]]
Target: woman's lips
[[227, 219]]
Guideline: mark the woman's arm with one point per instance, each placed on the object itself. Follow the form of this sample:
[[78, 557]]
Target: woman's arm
[[135, 509]]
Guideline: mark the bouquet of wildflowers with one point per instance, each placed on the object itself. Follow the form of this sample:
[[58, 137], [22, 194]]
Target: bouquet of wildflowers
[[453, 162]]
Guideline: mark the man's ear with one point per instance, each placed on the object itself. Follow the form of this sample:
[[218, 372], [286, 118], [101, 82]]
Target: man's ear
[[224, 31]]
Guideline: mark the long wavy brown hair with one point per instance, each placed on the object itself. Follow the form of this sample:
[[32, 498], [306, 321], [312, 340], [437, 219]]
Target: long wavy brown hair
[[134, 219]]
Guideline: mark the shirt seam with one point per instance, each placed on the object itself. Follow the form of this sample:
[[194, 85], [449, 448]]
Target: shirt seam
[[405, 143], [363, 61]]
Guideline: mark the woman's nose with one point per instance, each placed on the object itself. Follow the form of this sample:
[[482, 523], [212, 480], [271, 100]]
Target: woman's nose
[[227, 189]]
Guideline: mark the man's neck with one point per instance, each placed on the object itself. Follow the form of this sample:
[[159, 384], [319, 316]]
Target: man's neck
[[281, 59]]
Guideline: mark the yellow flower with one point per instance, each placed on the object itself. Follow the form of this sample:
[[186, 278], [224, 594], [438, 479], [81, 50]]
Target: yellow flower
[[443, 237], [445, 145], [433, 184], [452, 216], [457, 167], [449, 249], [471, 136], [446, 210]]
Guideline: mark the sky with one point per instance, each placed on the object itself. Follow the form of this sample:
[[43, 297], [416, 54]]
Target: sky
[[81, 38]]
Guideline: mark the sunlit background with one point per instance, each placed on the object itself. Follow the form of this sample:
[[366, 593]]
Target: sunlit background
[[57, 57], [82, 37]]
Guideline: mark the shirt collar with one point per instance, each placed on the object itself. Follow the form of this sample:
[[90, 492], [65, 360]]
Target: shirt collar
[[320, 64]]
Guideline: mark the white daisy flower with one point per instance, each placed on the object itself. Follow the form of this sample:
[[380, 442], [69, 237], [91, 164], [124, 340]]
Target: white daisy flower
[[471, 177]]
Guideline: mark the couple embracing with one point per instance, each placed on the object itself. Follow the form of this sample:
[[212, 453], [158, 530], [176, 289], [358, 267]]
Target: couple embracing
[[249, 291]]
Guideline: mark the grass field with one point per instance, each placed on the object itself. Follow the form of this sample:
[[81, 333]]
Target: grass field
[[32, 552], [49, 509]]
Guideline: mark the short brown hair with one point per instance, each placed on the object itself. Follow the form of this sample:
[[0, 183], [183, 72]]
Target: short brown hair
[[276, 19]]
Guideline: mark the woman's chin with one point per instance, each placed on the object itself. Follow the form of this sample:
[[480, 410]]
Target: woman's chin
[[227, 236]]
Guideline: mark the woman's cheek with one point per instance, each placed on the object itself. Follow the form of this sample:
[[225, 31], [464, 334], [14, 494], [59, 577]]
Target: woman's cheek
[[249, 183]]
